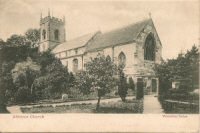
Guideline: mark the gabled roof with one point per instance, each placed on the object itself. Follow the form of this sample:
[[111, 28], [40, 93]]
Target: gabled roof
[[119, 36], [75, 43]]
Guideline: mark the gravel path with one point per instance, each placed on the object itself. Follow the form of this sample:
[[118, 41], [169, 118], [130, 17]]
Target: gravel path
[[152, 105]]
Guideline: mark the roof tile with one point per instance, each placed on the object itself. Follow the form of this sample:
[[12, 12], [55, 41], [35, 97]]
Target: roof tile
[[119, 36]]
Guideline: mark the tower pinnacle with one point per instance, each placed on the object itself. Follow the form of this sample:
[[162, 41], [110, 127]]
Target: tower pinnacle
[[64, 19], [149, 14], [41, 16]]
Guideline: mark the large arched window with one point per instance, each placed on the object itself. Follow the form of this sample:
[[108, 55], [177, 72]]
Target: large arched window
[[122, 60], [75, 65], [149, 48], [56, 34], [44, 34]]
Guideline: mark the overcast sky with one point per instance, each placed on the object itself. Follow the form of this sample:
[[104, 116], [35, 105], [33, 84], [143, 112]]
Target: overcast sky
[[177, 22]]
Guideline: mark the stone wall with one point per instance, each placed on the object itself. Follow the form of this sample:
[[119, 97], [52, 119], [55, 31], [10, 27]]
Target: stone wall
[[135, 67]]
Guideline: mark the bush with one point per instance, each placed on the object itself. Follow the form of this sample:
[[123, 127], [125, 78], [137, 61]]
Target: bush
[[181, 94], [75, 93], [131, 84], [23, 95], [140, 90], [122, 85]]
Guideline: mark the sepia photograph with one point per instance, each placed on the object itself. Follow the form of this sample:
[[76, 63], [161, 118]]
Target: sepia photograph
[[99, 57]]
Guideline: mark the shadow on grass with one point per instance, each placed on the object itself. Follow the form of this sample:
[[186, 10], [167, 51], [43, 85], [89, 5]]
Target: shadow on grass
[[112, 110], [4, 110]]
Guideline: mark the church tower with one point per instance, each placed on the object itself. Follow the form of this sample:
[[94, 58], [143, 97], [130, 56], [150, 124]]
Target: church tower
[[52, 32]]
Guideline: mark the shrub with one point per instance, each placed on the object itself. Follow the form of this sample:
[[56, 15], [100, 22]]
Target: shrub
[[23, 95], [140, 90], [131, 84], [122, 85], [75, 93]]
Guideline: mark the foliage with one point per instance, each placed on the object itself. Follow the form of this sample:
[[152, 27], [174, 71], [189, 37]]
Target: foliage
[[23, 75], [2, 43], [185, 67], [40, 82], [122, 84], [84, 82], [6, 85], [58, 77], [33, 36], [56, 80], [140, 90], [40, 88], [98, 76], [131, 84], [45, 59], [17, 40], [71, 80], [23, 95]]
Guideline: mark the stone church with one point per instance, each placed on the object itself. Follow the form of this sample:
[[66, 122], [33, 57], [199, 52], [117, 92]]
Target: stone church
[[136, 46]]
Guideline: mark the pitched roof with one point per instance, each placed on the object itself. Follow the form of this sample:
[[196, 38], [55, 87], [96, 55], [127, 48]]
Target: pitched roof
[[119, 36], [75, 43]]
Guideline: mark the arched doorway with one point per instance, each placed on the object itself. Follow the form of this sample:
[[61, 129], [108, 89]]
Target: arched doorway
[[108, 58]]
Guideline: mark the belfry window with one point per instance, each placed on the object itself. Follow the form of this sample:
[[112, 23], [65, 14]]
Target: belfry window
[[44, 34], [56, 34], [122, 60], [149, 48], [75, 65]]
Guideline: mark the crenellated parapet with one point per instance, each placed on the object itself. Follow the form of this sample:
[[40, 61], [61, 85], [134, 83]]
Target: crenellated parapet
[[52, 19]]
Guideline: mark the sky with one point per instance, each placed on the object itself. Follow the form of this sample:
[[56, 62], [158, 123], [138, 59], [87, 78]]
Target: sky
[[177, 22]]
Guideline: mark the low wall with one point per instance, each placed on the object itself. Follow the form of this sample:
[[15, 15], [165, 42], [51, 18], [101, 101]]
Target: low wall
[[172, 106]]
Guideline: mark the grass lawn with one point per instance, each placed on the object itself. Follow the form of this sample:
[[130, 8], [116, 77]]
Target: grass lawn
[[131, 106], [177, 110]]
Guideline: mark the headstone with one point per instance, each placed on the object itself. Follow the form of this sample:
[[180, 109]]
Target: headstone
[[64, 97]]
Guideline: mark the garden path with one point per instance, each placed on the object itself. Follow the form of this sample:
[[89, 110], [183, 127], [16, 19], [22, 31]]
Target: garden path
[[152, 105], [16, 109]]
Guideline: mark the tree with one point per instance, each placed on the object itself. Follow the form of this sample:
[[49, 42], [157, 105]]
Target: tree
[[84, 82], [192, 57], [17, 40], [24, 74], [2, 43], [45, 59], [6, 84], [40, 85], [131, 84], [72, 79], [122, 84], [54, 81], [33, 36], [184, 67], [11, 52], [58, 77], [100, 76]]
